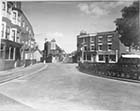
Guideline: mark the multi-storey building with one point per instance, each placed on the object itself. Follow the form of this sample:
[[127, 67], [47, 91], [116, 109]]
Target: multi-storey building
[[102, 47], [17, 36]]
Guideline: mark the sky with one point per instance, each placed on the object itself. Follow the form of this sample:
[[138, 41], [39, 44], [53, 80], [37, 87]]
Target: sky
[[63, 21]]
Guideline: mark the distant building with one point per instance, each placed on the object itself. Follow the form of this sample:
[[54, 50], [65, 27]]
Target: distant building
[[52, 52], [37, 54], [102, 47], [17, 36]]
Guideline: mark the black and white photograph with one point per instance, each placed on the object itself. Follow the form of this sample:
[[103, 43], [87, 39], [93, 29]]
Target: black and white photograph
[[67, 55]]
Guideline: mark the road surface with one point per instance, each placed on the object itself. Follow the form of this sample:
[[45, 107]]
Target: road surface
[[61, 87]]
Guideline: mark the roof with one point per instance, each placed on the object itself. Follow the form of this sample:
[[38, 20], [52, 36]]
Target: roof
[[131, 56]]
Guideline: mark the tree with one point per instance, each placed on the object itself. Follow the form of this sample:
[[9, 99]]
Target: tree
[[128, 26]]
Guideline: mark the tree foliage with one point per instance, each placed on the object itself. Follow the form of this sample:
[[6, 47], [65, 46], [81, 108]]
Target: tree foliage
[[128, 25]]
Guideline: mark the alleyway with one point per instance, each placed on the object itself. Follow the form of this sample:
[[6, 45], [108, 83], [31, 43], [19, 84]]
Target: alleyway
[[61, 87]]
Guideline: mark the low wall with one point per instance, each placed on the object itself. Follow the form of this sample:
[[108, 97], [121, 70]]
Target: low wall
[[96, 66], [29, 62], [9, 64], [127, 68], [6, 64], [128, 71]]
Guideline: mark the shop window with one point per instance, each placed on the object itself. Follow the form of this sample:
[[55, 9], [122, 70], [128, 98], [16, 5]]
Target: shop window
[[88, 56], [1, 50], [12, 53], [112, 58], [101, 57]]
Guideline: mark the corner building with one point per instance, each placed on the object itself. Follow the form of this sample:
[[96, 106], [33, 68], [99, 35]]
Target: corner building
[[17, 36], [102, 47]]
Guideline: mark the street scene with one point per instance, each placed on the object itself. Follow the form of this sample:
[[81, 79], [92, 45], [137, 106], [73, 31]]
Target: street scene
[[69, 55]]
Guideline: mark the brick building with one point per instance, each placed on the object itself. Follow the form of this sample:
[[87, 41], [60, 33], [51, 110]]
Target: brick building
[[102, 47], [17, 36]]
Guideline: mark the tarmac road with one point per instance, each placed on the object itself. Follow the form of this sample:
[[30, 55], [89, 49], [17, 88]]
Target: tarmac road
[[61, 87]]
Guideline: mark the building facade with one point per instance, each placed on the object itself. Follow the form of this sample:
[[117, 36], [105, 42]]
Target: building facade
[[102, 47], [17, 36]]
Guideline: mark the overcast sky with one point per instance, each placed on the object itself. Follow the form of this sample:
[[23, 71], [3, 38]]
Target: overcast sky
[[64, 20]]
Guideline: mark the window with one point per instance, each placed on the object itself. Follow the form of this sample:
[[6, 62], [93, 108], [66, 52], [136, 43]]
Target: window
[[109, 38], [88, 56], [7, 33], [112, 58], [1, 50], [27, 28], [3, 5], [92, 47], [53, 45], [23, 24], [2, 32], [18, 37], [85, 48], [84, 40], [84, 56], [109, 35], [13, 35], [92, 39], [100, 38], [14, 15], [109, 46], [101, 57], [100, 47]]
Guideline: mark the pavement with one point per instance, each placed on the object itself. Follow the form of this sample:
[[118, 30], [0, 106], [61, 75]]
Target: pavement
[[20, 71], [61, 87]]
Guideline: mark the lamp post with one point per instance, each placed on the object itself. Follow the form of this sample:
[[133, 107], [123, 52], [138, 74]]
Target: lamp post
[[0, 21], [45, 51], [82, 49]]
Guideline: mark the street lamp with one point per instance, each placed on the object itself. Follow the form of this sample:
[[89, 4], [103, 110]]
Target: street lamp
[[82, 49], [0, 21]]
